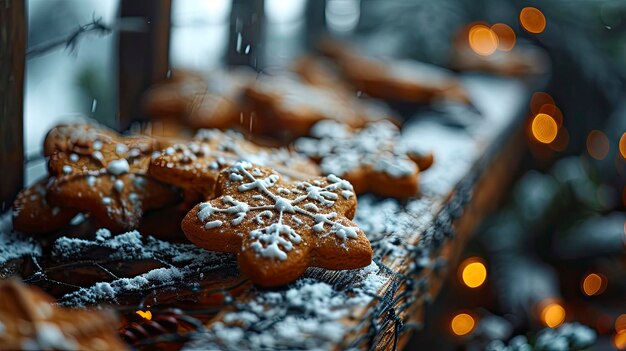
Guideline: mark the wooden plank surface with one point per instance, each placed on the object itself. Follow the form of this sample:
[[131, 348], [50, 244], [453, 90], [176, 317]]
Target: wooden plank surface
[[12, 58]]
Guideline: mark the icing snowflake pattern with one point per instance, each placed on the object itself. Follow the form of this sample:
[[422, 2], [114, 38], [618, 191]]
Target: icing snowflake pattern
[[276, 239], [279, 226]]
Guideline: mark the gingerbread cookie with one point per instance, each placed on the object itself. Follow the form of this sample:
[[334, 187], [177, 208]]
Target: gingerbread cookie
[[77, 138], [319, 72], [31, 321], [372, 158], [196, 165], [171, 98], [277, 227], [323, 73], [289, 107], [33, 214], [201, 100], [108, 178], [397, 80]]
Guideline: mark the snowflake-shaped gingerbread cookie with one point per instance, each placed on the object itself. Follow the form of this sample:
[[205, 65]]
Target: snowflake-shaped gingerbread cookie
[[195, 165], [277, 227], [372, 158]]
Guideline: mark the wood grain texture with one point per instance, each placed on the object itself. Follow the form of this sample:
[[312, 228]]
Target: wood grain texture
[[12, 58]]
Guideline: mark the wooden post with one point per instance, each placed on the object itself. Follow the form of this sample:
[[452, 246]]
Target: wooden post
[[315, 25], [143, 54], [12, 59], [246, 34]]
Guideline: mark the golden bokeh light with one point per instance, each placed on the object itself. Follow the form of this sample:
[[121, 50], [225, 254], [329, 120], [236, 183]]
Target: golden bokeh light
[[506, 36], [462, 324], [619, 340], [622, 145], [597, 144], [532, 20], [145, 315], [552, 315], [544, 128], [554, 112], [593, 284], [620, 323], [473, 272], [482, 40]]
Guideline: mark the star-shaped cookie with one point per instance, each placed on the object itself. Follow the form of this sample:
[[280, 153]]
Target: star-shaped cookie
[[278, 227], [106, 175], [372, 158], [195, 165]]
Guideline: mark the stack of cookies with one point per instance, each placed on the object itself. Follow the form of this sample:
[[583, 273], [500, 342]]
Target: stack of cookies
[[281, 197], [280, 209]]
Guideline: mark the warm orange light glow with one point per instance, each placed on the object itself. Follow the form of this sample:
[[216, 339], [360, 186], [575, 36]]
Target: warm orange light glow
[[482, 40], [544, 128], [562, 140], [597, 144], [553, 315], [473, 272], [462, 324], [620, 324], [622, 145], [540, 99], [593, 284], [506, 36], [619, 340], [532, 20], [146, 315], [554, 112]]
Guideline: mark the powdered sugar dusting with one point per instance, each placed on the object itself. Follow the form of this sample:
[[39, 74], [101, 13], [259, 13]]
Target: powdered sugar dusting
[[13, 245], [307, 315], [182, 263]]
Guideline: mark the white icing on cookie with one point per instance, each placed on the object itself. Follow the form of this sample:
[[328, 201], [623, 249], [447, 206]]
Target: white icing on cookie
[[118, 167], [119, 185], [121, 149]]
